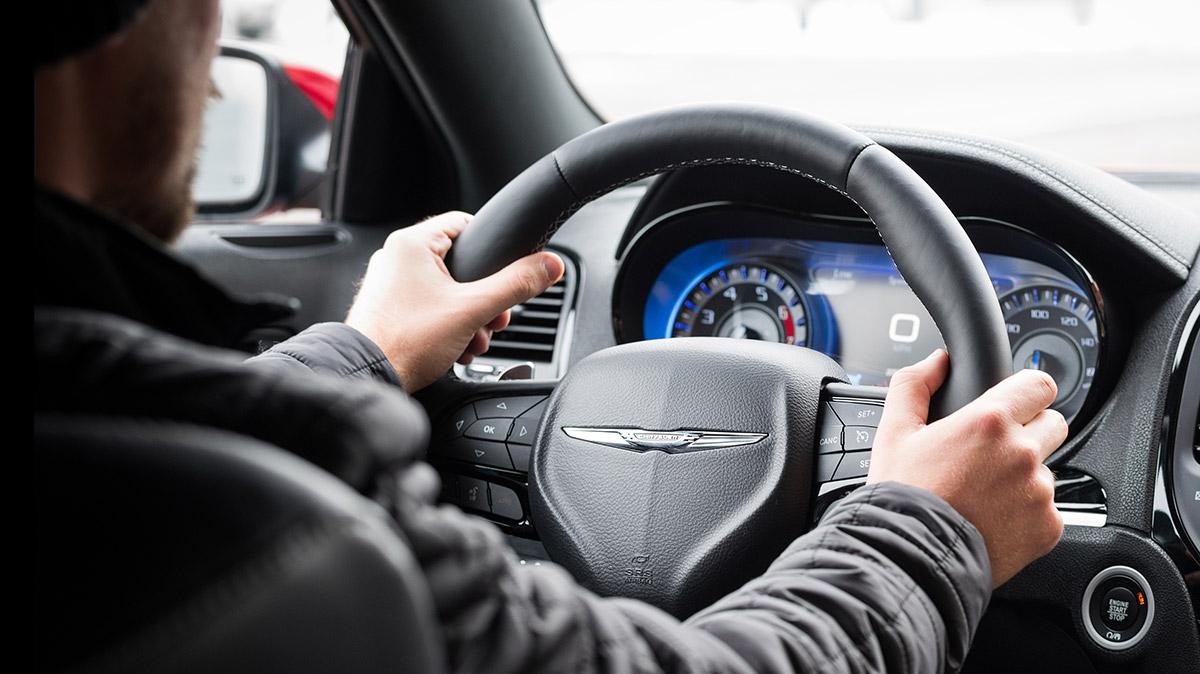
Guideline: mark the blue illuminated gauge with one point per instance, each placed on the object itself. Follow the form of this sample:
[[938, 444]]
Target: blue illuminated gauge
[[1054, 329], [743, 301]]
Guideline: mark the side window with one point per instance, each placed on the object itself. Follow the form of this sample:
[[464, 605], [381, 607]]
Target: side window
[[267, 128]]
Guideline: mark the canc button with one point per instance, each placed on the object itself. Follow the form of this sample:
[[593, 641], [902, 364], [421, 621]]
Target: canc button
[[829, 434]]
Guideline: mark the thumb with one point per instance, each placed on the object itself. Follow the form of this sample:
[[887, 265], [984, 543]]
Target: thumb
[[911, 388], [520, 281]]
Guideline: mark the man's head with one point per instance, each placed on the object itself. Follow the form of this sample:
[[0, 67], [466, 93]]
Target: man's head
[[117, 119]]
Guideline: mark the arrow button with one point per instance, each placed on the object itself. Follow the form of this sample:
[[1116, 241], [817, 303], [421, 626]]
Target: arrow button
[[522, 431], [459, 422], [508, 407], [479, 452]]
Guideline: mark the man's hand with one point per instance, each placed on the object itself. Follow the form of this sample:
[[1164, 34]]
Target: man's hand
[[421, 317], [985, 460]]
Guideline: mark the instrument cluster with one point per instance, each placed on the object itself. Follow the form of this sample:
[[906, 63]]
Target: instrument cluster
[[834, 288]]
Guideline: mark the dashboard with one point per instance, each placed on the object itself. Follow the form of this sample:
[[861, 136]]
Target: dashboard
[[830, 285]]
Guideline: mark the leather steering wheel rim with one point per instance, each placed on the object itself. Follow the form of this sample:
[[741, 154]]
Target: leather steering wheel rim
[[925, 240]]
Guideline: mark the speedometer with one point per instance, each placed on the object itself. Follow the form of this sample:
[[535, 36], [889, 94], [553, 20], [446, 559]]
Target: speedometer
[[1054, 329], [746, 301]]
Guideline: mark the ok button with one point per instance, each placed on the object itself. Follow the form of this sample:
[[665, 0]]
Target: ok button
[[490, 429]]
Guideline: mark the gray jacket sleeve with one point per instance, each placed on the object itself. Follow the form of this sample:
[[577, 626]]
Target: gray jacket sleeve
[[892, 580], [330, 348]]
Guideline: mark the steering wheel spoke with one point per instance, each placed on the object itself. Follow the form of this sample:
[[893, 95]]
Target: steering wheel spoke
[[483, 435]]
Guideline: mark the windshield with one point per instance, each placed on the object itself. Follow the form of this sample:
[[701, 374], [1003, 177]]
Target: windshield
[[1115, 83]]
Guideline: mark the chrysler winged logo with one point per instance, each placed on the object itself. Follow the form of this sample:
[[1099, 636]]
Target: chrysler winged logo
[[640, 440]]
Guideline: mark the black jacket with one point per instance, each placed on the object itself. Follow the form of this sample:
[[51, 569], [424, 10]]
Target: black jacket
[[892, 580]]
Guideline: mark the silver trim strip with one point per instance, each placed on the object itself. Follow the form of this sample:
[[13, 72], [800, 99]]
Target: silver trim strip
[[640, 439]]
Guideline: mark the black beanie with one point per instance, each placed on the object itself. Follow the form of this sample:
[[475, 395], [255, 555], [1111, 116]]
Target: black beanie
[[76, 26]]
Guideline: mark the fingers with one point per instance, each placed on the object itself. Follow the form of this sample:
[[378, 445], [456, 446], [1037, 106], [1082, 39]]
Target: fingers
[[1048, 430], [1051, 528], [500, 322], [520, 281], [479, 344], [436, 233], [1022, 396], [451, 224], [907, 404]]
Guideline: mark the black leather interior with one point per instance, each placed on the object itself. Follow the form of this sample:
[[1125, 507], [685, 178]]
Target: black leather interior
[[270, 564], [920, 230]]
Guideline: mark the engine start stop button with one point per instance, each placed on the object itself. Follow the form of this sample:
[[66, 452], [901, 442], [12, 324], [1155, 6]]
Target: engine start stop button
[[1117, 608]]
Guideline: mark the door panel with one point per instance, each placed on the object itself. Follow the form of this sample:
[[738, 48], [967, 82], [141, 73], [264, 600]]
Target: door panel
[[319, 264]]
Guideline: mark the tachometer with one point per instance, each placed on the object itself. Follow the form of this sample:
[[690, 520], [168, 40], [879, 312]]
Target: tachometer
[[746, 301], [1054, 329]]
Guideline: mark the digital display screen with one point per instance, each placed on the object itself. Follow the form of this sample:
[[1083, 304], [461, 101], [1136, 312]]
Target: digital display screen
[[844, 299]]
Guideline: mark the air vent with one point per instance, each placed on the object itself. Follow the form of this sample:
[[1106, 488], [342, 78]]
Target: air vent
[[534, 327]]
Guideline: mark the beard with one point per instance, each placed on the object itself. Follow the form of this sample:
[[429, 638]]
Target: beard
[[163, 211], [152, 153]]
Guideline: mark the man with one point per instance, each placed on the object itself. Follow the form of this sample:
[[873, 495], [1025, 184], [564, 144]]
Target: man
[[895, 578]]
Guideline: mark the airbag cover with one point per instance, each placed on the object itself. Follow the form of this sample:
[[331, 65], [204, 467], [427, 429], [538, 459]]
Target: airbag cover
[[671, 511]]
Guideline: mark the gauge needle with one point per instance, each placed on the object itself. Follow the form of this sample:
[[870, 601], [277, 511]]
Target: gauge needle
[[1036, 361]]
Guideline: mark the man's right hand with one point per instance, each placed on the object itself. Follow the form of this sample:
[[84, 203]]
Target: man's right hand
[[985, 459]]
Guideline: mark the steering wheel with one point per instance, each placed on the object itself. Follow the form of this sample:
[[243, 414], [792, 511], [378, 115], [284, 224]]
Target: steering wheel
[[673, 470]]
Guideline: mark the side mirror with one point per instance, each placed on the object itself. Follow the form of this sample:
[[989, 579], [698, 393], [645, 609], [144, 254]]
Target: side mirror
[[265, 142]]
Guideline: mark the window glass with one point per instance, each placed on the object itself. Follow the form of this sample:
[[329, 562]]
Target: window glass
[[1111, 82]]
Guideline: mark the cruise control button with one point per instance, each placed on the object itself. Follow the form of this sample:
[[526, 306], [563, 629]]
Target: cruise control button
[[520, 456], [522, 431], [506, 503], [461, 420], [509, 407], [854, 464], [859, 437], [480, 452], [489, 429], [826, 466], [857, 414], [829, 433]]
